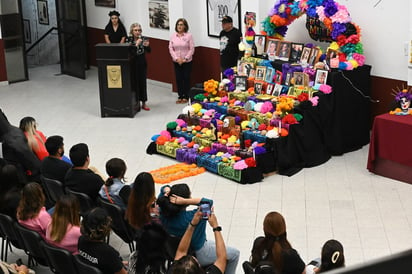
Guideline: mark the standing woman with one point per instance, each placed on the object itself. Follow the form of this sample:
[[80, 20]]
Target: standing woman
[[182, 48], [142, 45], [115, 32]]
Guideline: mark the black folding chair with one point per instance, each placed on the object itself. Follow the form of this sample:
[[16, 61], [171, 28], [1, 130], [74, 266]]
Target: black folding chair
[[32, 246], [60, 260], [119, 224], [86, 203], [9, 232], [53, 188]]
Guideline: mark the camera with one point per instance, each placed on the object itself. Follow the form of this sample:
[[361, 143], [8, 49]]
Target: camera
[[205, 209]]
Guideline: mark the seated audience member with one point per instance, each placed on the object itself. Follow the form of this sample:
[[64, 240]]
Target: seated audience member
[[64, 228], [93, 249], [175, 218], [6, 268], [31, 212], [141, 206], [35, 138], [185, 263], [53, 167], [275, 248], [80, 178], [17, 152], [152, 254], [114, 190], [332, 257], [10, 188]]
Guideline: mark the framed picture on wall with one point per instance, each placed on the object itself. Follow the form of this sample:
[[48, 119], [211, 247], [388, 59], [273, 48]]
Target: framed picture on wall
[[159, 14], [27, 31], [216, 10], [43, 12], [105, 3]]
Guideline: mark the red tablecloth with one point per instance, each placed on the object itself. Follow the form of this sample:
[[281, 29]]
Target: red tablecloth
[[390, 149]]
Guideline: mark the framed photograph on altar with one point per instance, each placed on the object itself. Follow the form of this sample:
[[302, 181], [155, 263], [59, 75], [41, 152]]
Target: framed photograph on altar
[[252, 73], [258, 87], [260, 43], [270, 73], [269, 88], [260, 73], [299, 78], [272, 46], [330, 55], [314, 56], [284, 51], [241, 83], [277, 90], [287, 78], [321, 76], [216, 10], [105, 3], [43, 12], [278, 77], [295, 52], [304, 58]]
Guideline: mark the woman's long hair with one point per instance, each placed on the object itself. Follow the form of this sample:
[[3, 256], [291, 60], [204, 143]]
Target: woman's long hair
[[140, 200], [28, 126], [275, 241], [31, 202], [332, 256], [115, 168], [65, 213]]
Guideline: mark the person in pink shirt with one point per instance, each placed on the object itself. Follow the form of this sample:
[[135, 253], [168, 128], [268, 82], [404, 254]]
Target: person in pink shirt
[[182, 48], [31, 212], [64, 229]]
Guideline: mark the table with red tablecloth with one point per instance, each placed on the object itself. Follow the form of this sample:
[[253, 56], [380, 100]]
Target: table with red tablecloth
[[390, 147]]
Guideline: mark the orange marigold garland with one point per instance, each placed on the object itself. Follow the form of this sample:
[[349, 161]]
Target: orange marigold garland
[[179, 171]]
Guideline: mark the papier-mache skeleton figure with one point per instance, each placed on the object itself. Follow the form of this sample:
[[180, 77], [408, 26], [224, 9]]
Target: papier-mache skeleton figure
[[403, 98]]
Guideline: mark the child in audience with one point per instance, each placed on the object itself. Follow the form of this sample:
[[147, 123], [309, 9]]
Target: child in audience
[[31, 212], [275, 248], [64, 229], [114, 190], [332, 257]]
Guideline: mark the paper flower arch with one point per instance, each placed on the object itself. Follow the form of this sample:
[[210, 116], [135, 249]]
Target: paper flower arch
[[335, 17]]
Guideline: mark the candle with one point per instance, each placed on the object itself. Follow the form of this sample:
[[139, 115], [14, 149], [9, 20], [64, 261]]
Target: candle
[[254, 156], [280, 127]]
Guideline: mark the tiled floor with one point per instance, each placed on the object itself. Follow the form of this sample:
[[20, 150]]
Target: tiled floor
[[369, 214]]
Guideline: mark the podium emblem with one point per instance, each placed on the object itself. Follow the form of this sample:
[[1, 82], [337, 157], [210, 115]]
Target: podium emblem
[[114, 77]]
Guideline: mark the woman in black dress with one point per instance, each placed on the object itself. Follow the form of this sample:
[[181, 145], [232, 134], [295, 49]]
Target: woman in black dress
[[143, 46], [115, 32]]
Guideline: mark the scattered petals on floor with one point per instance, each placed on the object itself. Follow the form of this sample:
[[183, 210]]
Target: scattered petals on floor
[[179, 171]]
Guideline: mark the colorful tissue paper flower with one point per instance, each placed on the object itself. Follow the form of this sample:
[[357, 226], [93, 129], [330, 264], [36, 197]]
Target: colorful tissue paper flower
[[298, 116], [259, 150], [154, 137], [289, 119], [240, 165], [250, 162], [161, 140], [342, 65], [338, 29], [330, 7], [341, 16], [326, 89], [266, 107], [314, 100], [166, 134], [171, 125], [359, 58], [199, 97]]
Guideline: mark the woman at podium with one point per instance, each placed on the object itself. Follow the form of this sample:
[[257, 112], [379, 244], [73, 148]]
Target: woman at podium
[[142, 46], [115, 32]]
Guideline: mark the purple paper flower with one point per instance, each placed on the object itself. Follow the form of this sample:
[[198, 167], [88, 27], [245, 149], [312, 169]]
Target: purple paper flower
[[311, 12], [330, 7], [338, 29], [281, 30]]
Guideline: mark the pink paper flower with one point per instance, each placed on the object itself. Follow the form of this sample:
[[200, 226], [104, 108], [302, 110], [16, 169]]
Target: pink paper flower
[[314, 101], [326, 89]]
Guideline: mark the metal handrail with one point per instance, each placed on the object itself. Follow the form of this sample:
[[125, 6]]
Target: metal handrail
[[39, 40]]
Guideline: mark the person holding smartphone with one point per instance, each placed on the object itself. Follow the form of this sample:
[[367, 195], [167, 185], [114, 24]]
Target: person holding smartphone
[[185, 262], [175, 218]]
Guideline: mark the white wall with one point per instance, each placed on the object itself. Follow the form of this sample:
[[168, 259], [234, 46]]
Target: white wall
[[383, 28]]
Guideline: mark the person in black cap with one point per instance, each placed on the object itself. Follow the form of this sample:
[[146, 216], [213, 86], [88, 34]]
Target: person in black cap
[[115, 32], [229, 39]]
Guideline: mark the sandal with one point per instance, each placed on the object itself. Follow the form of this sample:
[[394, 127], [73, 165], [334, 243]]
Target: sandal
[[145, 108], [184, 101], [179, 101]]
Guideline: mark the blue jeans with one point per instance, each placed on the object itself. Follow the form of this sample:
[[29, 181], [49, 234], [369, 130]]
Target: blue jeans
[[206, 255]]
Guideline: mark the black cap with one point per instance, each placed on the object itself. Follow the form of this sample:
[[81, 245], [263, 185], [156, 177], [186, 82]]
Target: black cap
[[227, 19]]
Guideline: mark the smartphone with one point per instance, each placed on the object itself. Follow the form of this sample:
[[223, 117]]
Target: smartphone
[[19, 262], [205, 209]]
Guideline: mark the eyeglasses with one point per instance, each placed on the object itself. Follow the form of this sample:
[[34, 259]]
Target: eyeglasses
[[180, 24], [138, 29]]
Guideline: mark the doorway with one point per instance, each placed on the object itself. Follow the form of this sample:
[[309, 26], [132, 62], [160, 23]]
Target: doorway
[[12, 35]]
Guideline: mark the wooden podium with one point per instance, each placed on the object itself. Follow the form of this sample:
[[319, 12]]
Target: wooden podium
[[117, 80]]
